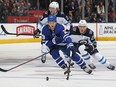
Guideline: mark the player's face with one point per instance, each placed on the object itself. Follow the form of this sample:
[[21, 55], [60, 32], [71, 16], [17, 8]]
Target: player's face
[[52, 25], [53, 10], [82, 29]]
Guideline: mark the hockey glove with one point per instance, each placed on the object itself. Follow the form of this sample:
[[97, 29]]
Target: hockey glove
[[44, 48], [36, 33], [89, 48]]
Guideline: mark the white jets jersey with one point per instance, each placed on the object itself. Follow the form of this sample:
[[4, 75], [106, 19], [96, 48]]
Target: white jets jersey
[[88, 36], [61, 19], [77, 38]]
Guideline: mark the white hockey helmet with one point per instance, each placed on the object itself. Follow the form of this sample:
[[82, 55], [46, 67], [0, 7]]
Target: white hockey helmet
[[54, 5], [82, 23]]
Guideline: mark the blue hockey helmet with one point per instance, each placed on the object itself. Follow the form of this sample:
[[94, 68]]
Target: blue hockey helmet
[[51, 17]]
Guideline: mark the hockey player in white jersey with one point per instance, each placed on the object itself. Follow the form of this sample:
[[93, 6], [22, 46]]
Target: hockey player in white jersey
[[61, 19], [87, 45]]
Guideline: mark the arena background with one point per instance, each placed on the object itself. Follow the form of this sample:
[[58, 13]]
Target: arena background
[[18, 15]]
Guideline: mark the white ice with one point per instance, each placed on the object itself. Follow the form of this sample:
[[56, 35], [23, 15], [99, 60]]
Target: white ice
[[34, 73]]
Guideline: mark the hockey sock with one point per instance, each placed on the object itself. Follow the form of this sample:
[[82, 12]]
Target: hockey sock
[[84, 54], [78, 60], [59, 60], [101, 59]]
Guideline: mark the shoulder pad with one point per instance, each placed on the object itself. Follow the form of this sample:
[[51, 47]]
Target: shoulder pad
[[90, 31]]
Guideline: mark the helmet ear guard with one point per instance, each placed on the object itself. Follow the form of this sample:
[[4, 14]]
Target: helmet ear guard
[[54, 5]]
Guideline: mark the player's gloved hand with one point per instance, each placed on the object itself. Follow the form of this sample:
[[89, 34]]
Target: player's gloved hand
[[89, 47], [71, 47], [36, 33], [44, 49]]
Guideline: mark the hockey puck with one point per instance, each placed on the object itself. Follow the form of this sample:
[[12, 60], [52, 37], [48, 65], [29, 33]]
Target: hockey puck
[[47, 78]]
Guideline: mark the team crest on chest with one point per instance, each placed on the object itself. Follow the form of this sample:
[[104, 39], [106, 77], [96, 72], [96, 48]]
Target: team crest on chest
[[74, 28]]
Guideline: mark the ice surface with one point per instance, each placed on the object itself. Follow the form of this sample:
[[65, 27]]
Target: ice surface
[[34, 73]]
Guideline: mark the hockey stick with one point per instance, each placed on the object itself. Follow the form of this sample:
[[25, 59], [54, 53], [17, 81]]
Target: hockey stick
[[6, 32], [6, 70], [68, 70]]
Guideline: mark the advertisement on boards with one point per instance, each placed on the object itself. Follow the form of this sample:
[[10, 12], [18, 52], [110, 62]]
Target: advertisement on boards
[[107, 29]]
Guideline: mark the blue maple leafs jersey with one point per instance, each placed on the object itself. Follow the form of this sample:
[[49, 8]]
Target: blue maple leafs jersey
[[58, 32]]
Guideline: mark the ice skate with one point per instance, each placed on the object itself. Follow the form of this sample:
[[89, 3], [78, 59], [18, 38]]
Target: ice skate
[[92, 66], [43, 59], [111, 67], [87, 70]]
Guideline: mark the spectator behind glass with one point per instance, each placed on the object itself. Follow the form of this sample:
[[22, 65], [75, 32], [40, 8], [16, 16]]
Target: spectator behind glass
[[79, 14], [34, 3], [88, 10], [5, 12], [21, 9], [72, 10], [100, 9], [93, 18], [14, 11], [1, 7], [66, 10], [110, 11]]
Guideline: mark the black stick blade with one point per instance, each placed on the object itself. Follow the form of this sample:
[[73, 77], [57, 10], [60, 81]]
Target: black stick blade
[[3, 70], [3, 28]]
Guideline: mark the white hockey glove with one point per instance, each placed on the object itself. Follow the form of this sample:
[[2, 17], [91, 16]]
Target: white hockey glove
[[44, 49]]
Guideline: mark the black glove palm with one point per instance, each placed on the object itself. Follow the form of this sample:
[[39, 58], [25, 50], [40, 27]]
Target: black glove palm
[[89, 48], [36, 33]]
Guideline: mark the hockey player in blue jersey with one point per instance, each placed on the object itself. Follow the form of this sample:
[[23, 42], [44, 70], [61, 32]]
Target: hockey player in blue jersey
[[61, 19], [87, 45], [53, 37]]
